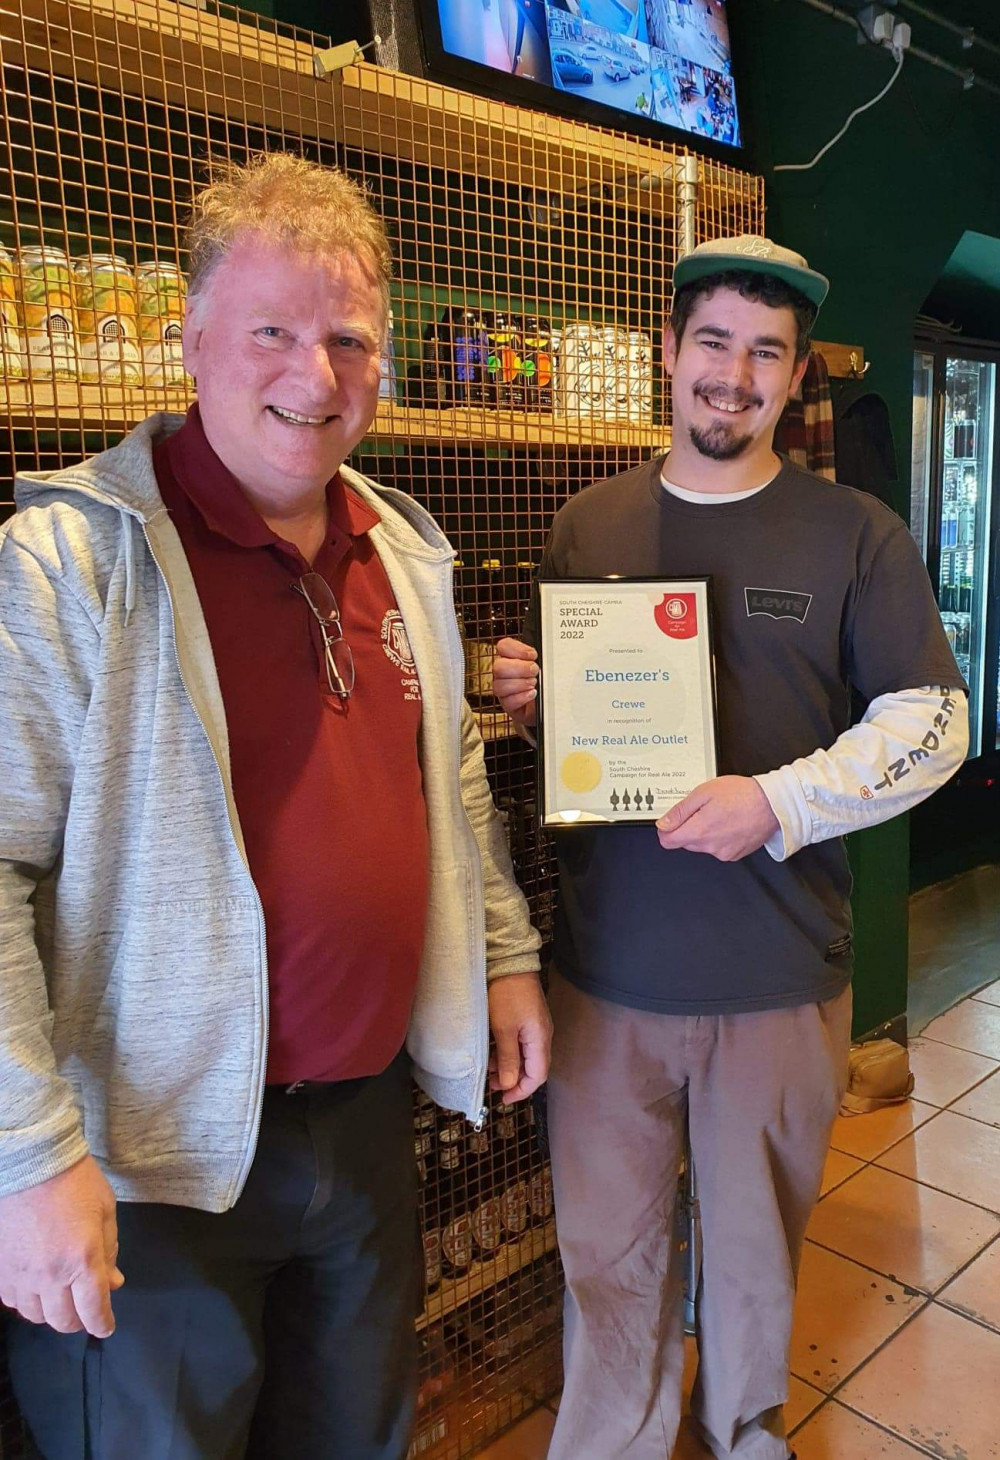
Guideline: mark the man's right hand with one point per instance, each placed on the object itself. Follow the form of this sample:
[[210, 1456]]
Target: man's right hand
[[515, 680], [59, 1251]]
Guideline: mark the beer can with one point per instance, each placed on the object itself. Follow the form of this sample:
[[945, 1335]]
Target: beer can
[[11, 362], [107, 331], [640, 376], [617, 371], [580, 373], [161, 315], [47, 313], [593, 370]]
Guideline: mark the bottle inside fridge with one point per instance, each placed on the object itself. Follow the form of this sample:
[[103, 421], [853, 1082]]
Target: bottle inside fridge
[[964, 539]]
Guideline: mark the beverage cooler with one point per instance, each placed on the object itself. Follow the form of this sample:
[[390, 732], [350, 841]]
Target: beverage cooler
[[955, 515]]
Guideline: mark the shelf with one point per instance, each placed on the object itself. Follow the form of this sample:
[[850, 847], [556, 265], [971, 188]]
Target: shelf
[[70, 405], [187, 58], [495, 725], [482, 1276], [468, 423]]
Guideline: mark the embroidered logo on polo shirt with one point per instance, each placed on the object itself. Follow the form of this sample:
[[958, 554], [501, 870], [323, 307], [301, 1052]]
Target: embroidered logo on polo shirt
[[398, 651], [394, 640], [778, 603]]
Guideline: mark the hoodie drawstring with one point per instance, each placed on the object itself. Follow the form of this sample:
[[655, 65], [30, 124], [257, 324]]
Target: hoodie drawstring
[[130, 590]]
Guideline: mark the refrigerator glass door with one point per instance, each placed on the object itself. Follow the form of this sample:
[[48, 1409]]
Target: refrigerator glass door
[[921, 460], [966, 494]]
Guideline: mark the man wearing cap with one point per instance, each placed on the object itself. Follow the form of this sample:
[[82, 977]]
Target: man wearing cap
[[702, 965]]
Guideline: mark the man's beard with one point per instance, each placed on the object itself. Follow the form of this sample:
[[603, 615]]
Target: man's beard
[[719, 442]]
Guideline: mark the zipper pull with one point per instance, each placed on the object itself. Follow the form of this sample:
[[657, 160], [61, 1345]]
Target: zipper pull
[[480, 1121]]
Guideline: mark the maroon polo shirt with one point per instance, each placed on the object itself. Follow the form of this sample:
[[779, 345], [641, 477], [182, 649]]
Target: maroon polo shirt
[[329, 793]]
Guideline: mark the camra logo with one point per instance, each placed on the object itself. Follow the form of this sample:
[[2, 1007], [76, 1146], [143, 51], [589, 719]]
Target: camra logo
[[677, 615], [394, 640], [778, 603]]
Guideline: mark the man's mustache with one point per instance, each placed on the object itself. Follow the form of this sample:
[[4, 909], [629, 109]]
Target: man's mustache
[[733, 397]]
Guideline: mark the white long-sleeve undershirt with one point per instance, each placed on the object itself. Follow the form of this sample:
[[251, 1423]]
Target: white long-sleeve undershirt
[[908, 744]]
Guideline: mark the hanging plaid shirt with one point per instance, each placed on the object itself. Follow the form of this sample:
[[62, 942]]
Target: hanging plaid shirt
[[805, 431]]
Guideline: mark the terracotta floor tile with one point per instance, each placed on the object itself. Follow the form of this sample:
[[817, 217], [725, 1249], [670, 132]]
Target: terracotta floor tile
[[837, 1169], [910, 1233], [971, 1025], [943, 1073], [990, 994], [981, 1103], [867, 1136], [837, 1434], [528, 1440], [976, 1291], [842, 1314], [802, 1400], [935, 1383], [955, 1154]]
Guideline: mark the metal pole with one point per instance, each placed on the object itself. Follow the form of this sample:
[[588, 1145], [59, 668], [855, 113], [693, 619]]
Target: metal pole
[[968, 33], [967, 77], [687, 202]]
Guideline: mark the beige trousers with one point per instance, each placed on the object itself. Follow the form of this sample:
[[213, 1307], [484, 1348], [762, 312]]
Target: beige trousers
[[760, 1091]]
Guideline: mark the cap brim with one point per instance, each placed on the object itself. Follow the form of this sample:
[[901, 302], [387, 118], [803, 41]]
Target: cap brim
[[814, 286]]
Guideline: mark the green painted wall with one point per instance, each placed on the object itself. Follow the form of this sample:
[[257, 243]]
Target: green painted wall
[[881, 215]]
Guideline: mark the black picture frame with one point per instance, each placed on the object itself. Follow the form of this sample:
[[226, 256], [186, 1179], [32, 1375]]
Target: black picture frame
[[539, 730]]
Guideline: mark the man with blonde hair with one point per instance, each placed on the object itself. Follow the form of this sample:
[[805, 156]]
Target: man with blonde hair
[[250, 877]]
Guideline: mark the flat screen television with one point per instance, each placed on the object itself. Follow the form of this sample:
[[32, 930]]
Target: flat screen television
[[653, 66]]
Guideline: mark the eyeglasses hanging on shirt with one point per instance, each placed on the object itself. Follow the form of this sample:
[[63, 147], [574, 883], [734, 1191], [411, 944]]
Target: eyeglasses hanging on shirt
[[336, 650]]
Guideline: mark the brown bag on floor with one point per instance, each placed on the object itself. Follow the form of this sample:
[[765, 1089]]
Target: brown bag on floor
[[877, 1074]]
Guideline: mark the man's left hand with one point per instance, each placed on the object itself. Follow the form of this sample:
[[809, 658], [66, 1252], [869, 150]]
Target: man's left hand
[[727, 818], [522, 1029]]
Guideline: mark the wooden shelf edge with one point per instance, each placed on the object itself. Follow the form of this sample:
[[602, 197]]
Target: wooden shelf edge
[[69, 405], [482, 1276]]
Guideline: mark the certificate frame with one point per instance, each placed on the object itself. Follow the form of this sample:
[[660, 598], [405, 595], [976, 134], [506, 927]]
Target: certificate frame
[[552, 716]]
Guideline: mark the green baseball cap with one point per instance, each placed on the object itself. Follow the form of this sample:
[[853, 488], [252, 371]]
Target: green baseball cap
[[759, 256]]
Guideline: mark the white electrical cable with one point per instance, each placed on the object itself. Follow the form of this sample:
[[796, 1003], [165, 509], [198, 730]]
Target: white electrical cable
[[805, 166]]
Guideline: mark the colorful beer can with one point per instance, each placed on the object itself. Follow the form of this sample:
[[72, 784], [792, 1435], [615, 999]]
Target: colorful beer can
[[161, 315], [107, 331], [47, 313], [11, 361]]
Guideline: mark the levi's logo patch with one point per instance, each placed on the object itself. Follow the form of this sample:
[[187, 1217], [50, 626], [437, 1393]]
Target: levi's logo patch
[[778, 603]]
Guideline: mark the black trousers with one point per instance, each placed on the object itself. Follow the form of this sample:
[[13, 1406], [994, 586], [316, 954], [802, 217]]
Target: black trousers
[[282, 1329]]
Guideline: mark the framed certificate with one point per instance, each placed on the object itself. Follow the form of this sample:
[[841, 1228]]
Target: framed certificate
[[626, 706]]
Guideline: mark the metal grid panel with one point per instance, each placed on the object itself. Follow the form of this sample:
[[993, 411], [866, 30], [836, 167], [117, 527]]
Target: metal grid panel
[[533, 265]]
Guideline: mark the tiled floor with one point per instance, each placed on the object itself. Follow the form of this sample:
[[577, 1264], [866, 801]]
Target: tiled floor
[[953, 942], [896, 1350]]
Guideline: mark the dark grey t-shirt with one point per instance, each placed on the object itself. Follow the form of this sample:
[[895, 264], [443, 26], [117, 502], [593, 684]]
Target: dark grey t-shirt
[[680, 932]]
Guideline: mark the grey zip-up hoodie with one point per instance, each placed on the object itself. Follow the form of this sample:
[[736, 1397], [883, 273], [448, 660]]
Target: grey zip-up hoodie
[[133, 968]]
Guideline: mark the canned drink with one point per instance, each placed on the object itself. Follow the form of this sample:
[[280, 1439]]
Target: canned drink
[[107, 332], [640, 376], [580, 373], [47, 313], [592, 374], [161, 315], [11, 362]]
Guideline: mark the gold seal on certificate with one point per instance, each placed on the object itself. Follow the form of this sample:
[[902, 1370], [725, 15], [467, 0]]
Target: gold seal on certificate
[[627, 699]]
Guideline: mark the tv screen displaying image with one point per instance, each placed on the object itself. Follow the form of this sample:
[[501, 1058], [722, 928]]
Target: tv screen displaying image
[[666, 61]]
